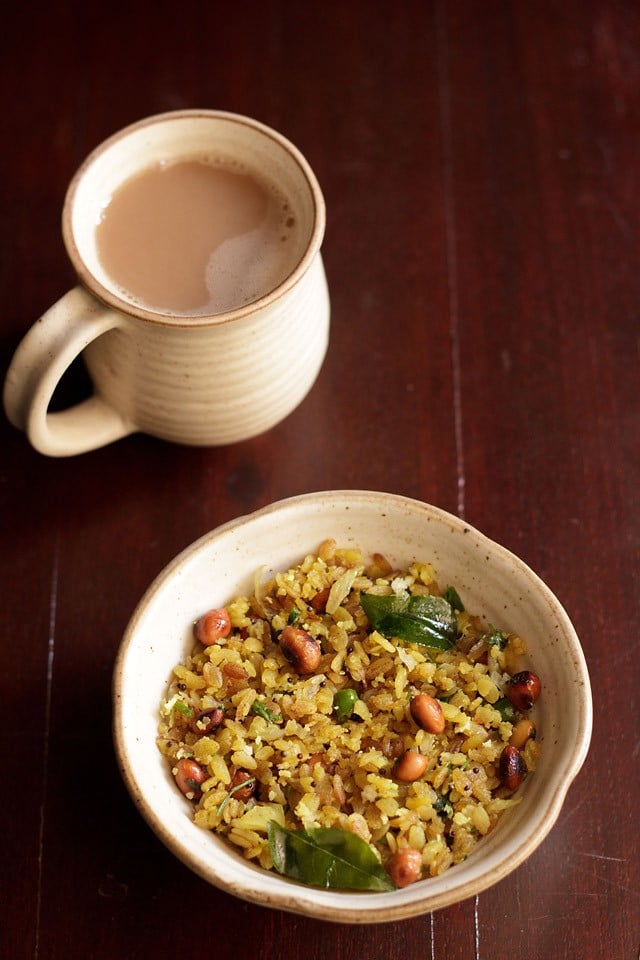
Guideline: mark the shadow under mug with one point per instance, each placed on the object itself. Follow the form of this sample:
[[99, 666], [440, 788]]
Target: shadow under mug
[[198, 380]]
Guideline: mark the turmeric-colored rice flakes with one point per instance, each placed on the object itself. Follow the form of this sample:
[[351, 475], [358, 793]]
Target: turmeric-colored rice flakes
[[346, 695]]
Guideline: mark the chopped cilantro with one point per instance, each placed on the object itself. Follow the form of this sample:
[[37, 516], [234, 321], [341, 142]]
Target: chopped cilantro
[[182, 707], [260, 710], [238, 786], [505, 709], [496, 638], [443, 807]]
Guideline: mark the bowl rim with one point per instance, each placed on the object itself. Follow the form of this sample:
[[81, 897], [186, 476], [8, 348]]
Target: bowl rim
[[341, 906]]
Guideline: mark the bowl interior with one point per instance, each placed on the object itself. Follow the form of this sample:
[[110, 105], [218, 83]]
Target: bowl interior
[[491, 582]]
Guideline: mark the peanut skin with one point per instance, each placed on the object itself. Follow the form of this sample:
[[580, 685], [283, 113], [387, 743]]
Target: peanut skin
[[300, 649], [189, 775], [213, 626], [427, 713], [411, 766], [405, 867], [511, 767]]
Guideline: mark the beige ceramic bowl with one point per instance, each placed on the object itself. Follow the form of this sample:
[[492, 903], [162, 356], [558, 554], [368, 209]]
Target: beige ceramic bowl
[[490, 580]]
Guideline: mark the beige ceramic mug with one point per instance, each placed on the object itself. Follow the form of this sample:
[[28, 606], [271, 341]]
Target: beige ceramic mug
[[203, 378]]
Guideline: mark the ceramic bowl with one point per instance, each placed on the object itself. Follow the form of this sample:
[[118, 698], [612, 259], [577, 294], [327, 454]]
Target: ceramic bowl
[[493, 583]]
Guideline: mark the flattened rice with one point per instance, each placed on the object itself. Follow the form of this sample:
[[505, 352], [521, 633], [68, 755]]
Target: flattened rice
[[272, 739]]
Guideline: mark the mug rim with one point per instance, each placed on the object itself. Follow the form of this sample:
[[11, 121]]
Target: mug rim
[[127, 307]]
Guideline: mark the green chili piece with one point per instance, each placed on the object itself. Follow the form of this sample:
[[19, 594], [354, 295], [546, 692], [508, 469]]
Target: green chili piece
[[343, 703]]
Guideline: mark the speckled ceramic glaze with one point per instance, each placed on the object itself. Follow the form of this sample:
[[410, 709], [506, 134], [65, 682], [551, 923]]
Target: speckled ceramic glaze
[[202, 380], [492, 581]]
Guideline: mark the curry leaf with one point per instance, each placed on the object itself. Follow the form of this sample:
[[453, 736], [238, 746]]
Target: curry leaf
[[326, 857], [452, 597], [427, 620]]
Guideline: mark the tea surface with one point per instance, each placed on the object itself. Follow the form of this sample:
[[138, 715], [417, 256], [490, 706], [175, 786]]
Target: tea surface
[[194, 238]]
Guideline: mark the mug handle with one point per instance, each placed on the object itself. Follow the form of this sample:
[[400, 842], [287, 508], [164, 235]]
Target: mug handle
[[42, 357]]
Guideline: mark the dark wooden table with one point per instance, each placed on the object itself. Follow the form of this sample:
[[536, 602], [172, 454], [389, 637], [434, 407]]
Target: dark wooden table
[[481, 166]]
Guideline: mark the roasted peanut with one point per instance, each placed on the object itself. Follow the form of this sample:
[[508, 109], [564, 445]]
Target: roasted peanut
[[427, 713], [213, 626], [523, 689], [239, 792], [300, 649], [189, 775], [522, 732], [511, 768], [405, 867], [411, 766], [319, 602], [206, 721]]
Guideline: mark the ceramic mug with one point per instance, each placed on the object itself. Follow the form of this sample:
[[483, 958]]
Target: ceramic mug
[[199, 380]]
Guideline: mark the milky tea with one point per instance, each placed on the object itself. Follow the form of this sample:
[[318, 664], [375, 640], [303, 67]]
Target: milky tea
[[194, 238]]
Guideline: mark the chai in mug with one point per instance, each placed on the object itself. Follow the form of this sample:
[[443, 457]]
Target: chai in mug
[[202, 310], [198, 237]]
